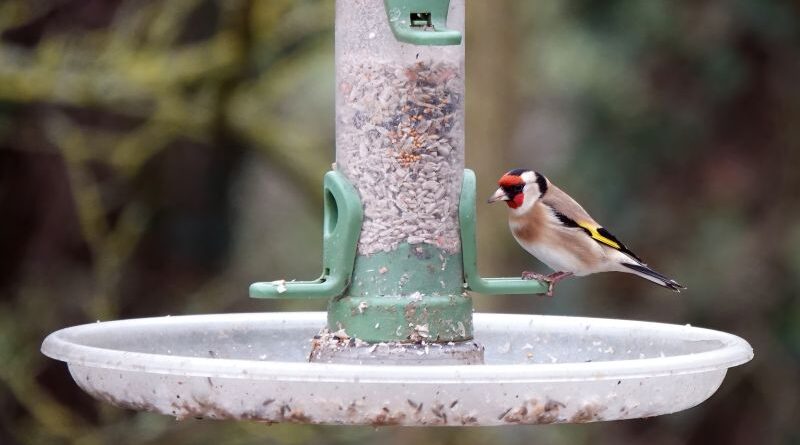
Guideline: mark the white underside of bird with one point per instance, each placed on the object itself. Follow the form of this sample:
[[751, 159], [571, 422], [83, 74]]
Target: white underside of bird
[[562, 260]]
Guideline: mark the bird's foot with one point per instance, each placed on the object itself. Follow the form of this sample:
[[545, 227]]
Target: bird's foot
[[528, 275], [551, 279]]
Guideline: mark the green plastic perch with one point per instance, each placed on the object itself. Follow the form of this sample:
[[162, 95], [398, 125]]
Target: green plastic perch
[[343, 215]]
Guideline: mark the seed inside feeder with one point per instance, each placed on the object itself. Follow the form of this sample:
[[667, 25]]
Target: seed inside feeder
[[400, 142]]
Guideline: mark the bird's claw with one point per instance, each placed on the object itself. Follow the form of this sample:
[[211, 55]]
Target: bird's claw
[[528, 275], [551, 279]]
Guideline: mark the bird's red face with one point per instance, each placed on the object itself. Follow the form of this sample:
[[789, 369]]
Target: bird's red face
[[511, 190]]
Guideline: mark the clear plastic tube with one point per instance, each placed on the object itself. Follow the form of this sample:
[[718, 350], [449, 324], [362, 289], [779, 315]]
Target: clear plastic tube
[[400, 128]]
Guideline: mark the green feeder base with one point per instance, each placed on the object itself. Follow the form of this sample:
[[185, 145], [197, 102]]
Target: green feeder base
[[415, 294]]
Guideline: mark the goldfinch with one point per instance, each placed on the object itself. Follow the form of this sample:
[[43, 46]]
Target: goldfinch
[[554, 228]]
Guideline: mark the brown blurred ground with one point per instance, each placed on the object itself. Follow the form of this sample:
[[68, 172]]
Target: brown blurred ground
[[157, 157]]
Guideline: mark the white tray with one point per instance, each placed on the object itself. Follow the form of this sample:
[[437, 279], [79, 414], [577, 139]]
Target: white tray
[[539, 369]]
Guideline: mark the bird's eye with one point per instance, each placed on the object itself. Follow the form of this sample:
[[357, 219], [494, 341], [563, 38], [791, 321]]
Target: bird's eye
[[514, 189]]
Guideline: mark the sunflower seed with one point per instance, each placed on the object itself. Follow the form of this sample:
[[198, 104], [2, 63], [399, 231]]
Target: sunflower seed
[[400, 142]]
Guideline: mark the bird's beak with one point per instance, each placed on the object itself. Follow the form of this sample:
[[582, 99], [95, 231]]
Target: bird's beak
[[499, 195]]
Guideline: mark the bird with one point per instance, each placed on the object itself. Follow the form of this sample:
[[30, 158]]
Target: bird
[[555, 229]]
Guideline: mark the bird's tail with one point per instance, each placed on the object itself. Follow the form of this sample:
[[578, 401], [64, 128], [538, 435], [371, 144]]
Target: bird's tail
[[649, 274]]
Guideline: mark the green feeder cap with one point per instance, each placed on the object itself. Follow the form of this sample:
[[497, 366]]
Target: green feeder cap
[[421, 22]]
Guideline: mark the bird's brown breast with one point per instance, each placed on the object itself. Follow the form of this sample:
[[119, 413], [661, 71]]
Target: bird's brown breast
[[537, 228], [527, 227]]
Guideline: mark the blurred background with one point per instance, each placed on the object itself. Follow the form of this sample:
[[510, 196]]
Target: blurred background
[[157, 157]]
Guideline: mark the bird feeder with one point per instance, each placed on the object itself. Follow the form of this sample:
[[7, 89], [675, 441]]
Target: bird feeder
[[399, 343], [395, 260]]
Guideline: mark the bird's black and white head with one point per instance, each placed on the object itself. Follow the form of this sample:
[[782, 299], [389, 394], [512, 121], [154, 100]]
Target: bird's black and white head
[[520, 188]]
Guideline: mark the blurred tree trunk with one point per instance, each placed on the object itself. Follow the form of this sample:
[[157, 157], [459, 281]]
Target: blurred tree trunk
[[491, 111]]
